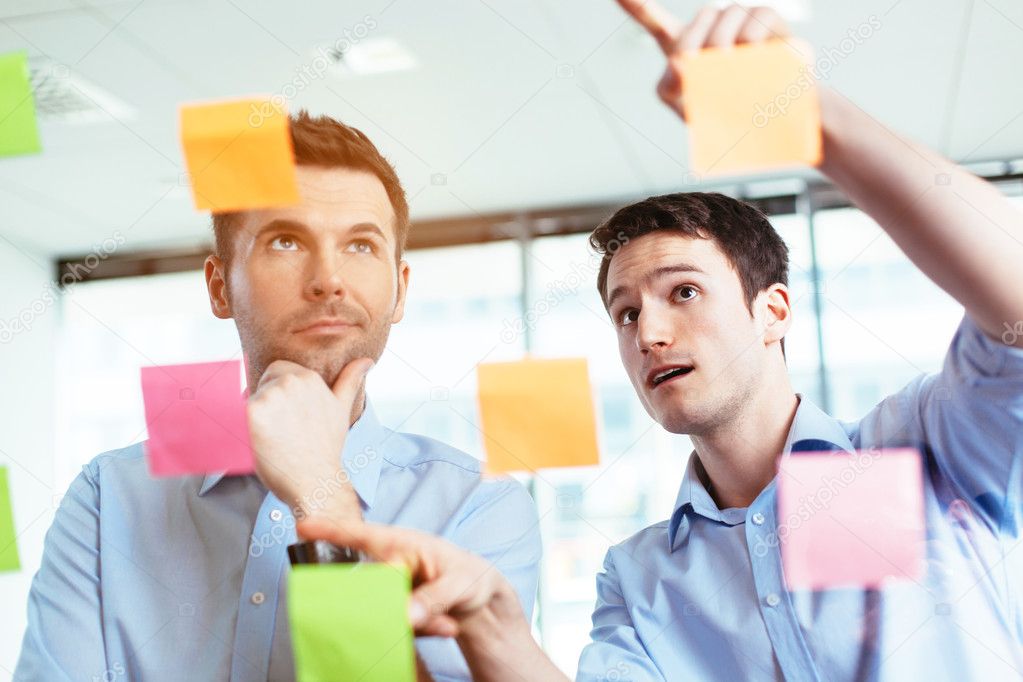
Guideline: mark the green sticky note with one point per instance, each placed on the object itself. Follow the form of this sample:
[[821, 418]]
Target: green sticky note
[[350, 622], [18, 131], [8, 545]]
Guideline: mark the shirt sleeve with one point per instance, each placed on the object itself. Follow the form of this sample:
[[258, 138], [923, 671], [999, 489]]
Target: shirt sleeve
[[499, 522], [615, 651], [969, 420], [64, 637]]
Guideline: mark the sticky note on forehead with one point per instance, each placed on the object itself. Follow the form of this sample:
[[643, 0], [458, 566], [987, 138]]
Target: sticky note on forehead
[[537, 413], [8, 536], [350, 622], [751, 107], [197, 419], [239, 155], [19, 133], [851, 520]]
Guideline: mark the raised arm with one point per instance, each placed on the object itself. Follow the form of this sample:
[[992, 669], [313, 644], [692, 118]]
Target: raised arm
[[958, 229]]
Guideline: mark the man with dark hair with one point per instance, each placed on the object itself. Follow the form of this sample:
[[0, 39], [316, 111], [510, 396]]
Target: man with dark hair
[[184, 578], [695, 285]]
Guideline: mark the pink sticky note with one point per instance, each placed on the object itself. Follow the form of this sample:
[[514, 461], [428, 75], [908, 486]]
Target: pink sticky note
[[197, 419], [851, 520]]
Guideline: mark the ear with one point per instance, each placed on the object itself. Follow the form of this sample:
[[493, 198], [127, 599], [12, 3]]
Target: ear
[[773, 305], [216, 286], [399, 305]]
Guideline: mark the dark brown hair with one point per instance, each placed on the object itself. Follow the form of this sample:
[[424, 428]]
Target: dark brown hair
[[740, 230], [325, 142]]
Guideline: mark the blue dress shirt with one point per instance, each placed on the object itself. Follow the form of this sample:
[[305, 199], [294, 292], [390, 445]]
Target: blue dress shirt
[[184, 578], [702, 596]]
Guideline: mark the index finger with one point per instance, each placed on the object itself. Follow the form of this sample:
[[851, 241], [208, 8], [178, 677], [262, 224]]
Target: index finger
[[382, 543], [659, 22]]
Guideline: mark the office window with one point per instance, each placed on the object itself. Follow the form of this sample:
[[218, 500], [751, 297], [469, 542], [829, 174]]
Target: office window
[[460, 302], [884, 321], [108, 330]]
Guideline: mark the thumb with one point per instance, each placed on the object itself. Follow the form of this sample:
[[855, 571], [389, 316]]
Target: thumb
[[346, 386]]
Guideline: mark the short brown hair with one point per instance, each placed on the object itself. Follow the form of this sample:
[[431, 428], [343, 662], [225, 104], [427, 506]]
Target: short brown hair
[[740, 230], [325, 142]]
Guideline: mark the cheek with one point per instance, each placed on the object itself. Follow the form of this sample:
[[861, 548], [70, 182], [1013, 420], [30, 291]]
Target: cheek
[[372, 284], [632, 359], [268, 288]]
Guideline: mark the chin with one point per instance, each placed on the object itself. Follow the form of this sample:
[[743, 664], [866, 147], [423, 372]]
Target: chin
[[683, 417]]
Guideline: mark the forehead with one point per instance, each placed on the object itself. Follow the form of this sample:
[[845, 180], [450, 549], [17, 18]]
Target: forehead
[[333, 198], [635, 263]]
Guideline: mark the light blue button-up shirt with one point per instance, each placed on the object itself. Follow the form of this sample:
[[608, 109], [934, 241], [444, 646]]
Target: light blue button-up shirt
[[702, 596], [184, 578]]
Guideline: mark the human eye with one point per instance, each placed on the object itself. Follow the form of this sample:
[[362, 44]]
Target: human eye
[[686, 292], [361, 246], [627, 316], [284, 242]]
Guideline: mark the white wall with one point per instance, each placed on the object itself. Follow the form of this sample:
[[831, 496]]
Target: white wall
[[29, 310]]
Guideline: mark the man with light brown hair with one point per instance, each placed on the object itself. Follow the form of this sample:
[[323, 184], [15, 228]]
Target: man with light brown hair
[[184, 578]]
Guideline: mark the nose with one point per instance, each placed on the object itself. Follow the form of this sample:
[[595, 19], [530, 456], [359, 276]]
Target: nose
[[654, 331], [326, 279]]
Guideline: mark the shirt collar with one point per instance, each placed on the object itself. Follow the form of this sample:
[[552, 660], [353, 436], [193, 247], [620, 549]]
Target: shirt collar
[[361, 456], [811, 429]]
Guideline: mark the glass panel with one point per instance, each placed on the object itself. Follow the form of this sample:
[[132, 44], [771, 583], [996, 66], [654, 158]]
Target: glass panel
[[884, 321]]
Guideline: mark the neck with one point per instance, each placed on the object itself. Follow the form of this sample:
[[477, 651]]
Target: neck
[[738, 458]]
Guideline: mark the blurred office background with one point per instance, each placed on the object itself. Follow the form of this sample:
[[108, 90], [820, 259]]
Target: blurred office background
[[516, 127]]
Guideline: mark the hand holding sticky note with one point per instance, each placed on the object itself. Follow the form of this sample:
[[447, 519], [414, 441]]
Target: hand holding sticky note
[[18, 131], [350, 622], [537, 413], [850, 520], [197, 419], [751, 107], [239, 155], [8, 536]]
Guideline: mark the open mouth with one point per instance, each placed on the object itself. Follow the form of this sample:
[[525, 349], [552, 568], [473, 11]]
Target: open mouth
[[668, 374]]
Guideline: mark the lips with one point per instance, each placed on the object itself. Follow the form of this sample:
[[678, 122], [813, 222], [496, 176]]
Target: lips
[[326, 324], [665, 373]]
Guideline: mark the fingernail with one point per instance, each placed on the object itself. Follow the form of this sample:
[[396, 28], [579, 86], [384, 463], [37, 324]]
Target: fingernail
[[416, 611]]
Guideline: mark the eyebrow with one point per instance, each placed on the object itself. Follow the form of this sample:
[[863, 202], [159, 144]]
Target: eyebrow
[[655, 274], [285, 225]]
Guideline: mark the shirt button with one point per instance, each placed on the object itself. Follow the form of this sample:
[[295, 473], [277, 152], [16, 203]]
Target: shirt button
[[276, 515], [773, 600], [758, 518], [258, 598]]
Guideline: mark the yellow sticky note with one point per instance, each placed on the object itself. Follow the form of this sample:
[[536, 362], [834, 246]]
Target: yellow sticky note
[[751, 107], [536, 414], [239, 155]]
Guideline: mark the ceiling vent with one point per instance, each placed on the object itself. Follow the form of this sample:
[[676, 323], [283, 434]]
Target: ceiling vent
[[63, 96]]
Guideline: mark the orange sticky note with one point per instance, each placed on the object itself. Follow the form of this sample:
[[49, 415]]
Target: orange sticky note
[[239, 155], [536, 414], [751, 107], [851, 519]]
